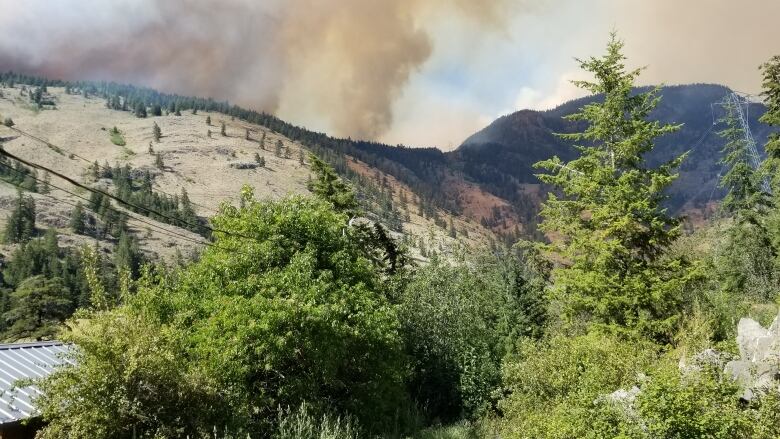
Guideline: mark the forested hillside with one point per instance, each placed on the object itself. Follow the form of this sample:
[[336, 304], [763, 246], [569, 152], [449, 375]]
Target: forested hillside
[[299, 321]]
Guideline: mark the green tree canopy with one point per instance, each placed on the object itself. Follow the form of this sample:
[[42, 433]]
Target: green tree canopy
[[608, 228], [285, 307]]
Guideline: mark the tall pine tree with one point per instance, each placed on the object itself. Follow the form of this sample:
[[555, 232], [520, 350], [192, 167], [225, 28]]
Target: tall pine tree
[[609, 231]]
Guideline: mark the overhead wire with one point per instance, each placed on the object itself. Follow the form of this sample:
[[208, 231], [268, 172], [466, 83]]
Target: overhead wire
[[71, 153], [143, 220], [120, 200]]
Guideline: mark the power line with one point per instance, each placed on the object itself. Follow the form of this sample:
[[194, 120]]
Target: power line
[[71, 153], [161, 230], [120, 200]]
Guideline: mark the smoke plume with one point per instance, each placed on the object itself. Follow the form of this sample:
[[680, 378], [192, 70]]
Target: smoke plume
[[346, 61]]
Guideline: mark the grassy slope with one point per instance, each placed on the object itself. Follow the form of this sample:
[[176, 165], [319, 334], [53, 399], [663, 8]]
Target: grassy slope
[[192, 161]]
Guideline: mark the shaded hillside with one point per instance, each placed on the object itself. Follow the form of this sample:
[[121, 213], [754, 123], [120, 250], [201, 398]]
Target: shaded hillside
[[490, 177], [501, 156]]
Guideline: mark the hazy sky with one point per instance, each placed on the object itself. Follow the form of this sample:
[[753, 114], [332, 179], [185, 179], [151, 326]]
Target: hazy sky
[[417, 72]]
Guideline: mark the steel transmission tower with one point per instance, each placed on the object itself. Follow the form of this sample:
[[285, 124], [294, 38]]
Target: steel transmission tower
[[741, 104]]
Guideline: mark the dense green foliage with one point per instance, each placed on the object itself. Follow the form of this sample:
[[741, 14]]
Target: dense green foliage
[[305, 318], [20, 225], [459, 321], [610, 229]]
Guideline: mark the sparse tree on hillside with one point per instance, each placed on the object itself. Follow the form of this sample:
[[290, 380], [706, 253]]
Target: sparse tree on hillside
[[20, 226], [194, 111], [45, 188], [208, 134], [156, 110], [222, 129], [8, 122], [158, 161], [246, 134], [279, 147], [151, 149], [78, 219], [140, 110], [301, 160], [260, 160], [156, 132], [262, 141], [610, 227], [208, 120]]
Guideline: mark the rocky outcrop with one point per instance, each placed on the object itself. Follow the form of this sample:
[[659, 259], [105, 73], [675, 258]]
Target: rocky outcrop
[[759, 351]]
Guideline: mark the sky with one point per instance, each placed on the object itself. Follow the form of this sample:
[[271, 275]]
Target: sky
[[413, 72]]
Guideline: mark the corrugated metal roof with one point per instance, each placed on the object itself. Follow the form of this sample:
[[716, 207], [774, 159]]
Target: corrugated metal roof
[[20, 361]]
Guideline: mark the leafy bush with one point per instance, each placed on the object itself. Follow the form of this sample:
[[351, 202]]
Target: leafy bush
[[457, 321], [556, 387], [284, 308]]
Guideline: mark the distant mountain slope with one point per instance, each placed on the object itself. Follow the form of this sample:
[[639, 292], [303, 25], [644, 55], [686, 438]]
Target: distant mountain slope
[[501, 156], [490, 177], [195, 157]]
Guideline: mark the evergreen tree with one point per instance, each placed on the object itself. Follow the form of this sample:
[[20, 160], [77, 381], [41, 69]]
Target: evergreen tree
[[78, 219], [330, 187], [260, 160], [222, 129], [158, 161], [208, 120], [246, 134], [771, 94], [300, 156], [156, 132], [279, 146], [20, 226], [262, 140], [127, 254], [156, 110], [36, 308], [150, 150], [140, 110], [8, 122], [609, 226]]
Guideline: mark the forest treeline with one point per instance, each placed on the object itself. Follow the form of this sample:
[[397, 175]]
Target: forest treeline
[[296, 322]]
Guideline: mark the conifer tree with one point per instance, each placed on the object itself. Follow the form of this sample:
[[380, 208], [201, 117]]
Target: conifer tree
[[37, 307], [262, 140], [610, 230], [158, 161], [771, 93], [246, 134], [329, 186], [279, 146], [20, 226], [208, 134], [156, 110], [260, 160], [140, 110], [156, 132], [208, 120], [300, 156], [222, 129], [78, 219], [8, 122]]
